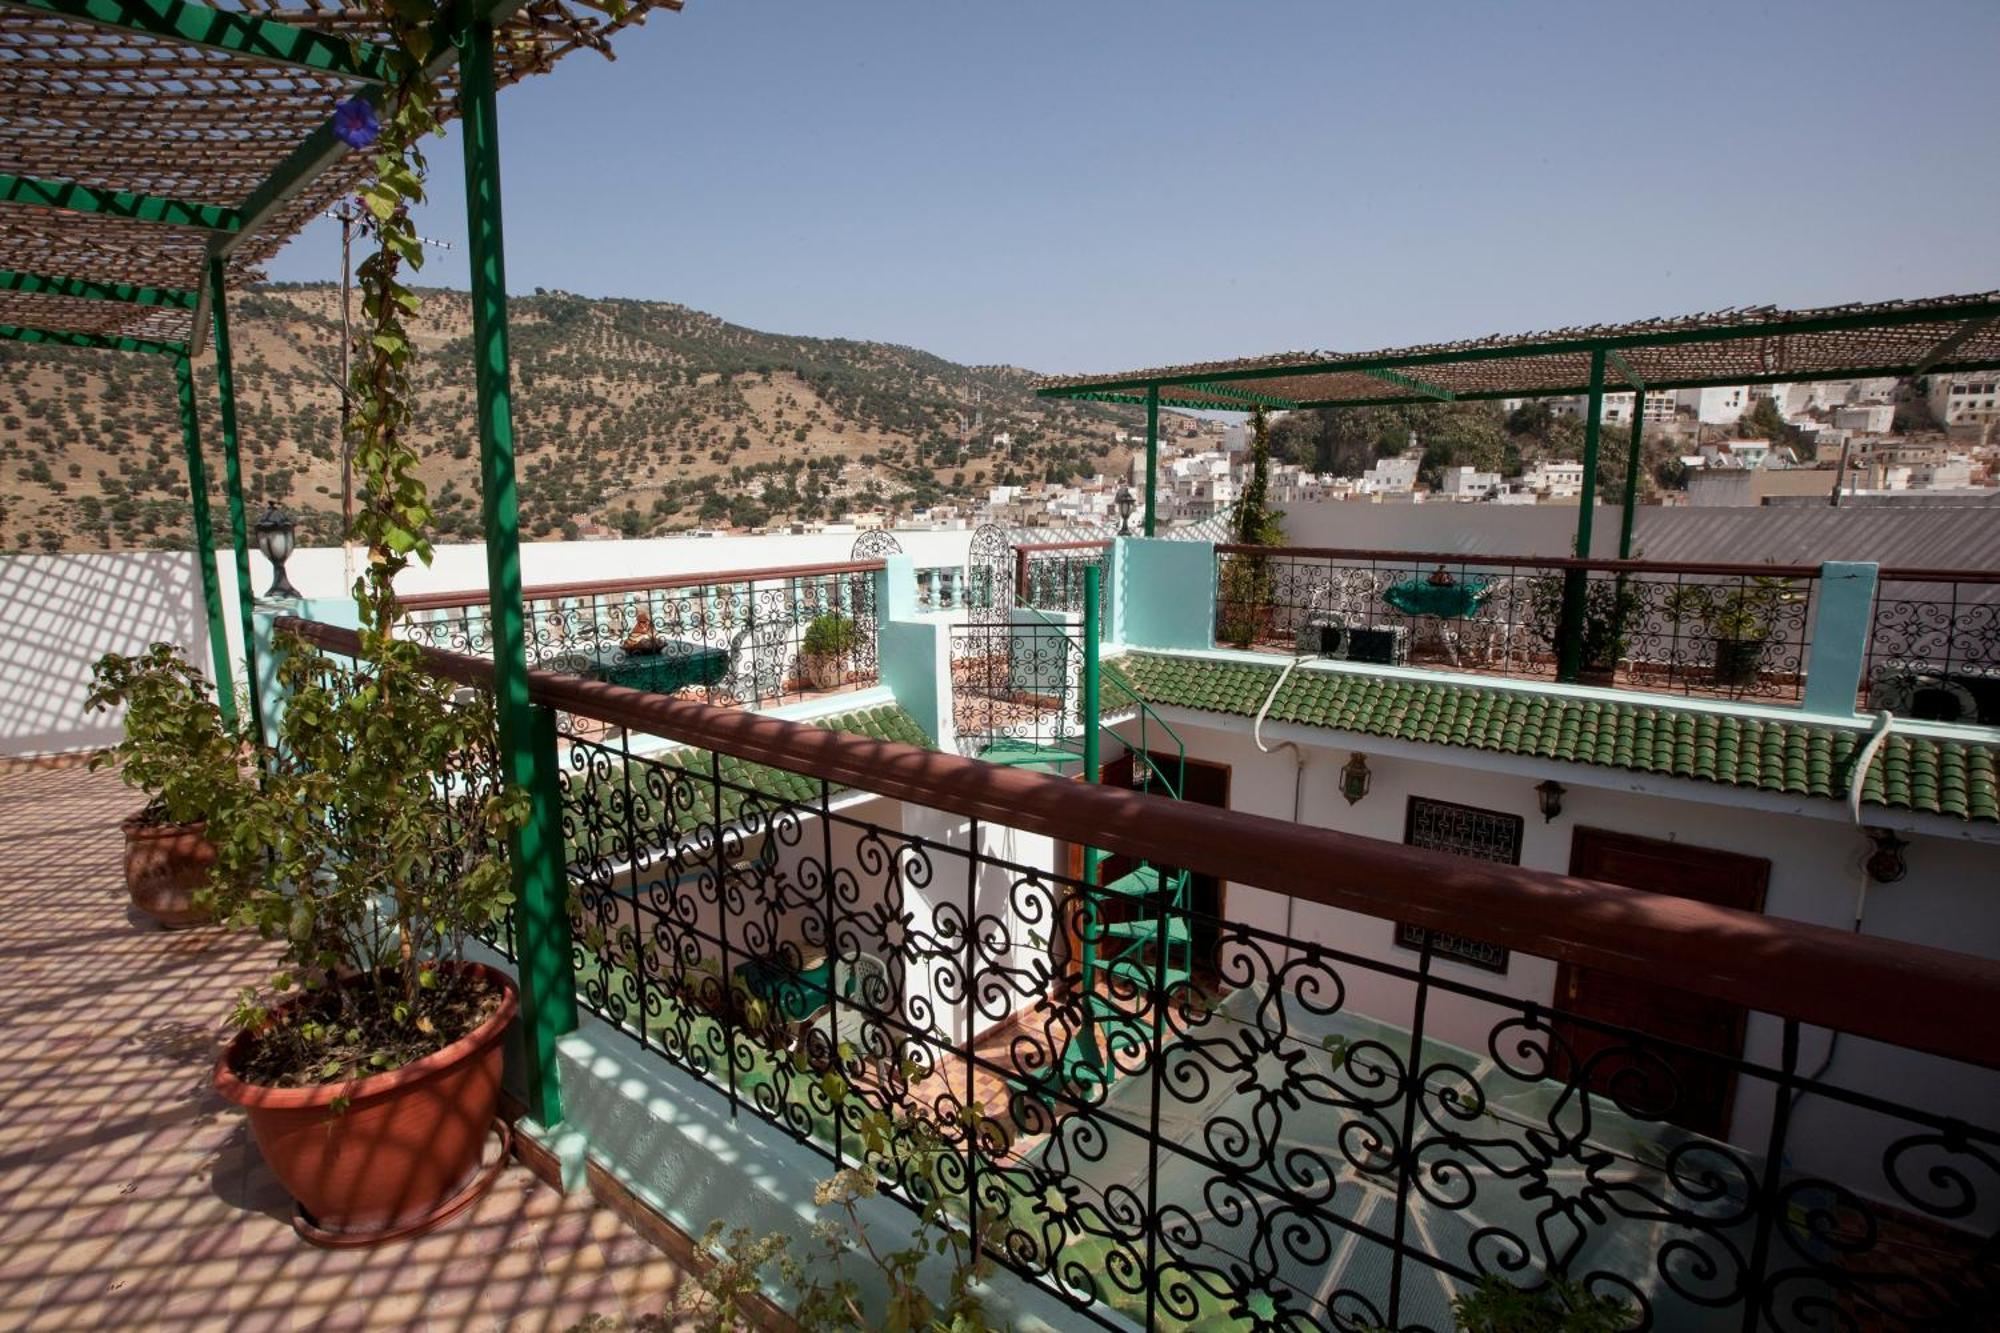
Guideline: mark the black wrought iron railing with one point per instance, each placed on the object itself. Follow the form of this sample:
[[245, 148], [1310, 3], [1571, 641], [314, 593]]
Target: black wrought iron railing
[[1049, 576], [1016, 689], [1309, 1125], [1730, 631], [1934, 645], [750, 637]]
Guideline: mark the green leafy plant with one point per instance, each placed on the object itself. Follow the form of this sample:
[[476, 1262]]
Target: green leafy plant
[[826, 1293], [1560, 1305], [176, 747], [368, 839], [1604, 628], [830, 636], [1244, 584]]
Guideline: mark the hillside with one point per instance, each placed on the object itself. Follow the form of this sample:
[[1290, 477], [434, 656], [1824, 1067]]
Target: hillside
[[637, 416]]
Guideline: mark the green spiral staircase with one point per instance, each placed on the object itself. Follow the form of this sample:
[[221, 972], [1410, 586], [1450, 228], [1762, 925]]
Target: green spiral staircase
[[1136, 938]]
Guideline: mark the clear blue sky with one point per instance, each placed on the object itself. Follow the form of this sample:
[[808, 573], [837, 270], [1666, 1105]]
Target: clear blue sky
[[1101, 184]]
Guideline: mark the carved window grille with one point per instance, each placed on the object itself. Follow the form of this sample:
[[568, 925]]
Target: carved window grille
[[1462, 830]]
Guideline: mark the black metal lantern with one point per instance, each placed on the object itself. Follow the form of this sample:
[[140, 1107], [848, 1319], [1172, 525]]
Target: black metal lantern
[[1549, 795], [1885, 862], [277, 534], [1355, 778], [1124, 503]]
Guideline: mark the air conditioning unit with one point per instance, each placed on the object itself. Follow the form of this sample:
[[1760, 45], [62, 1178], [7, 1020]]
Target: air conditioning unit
[[1326, 636], [1969, 697]]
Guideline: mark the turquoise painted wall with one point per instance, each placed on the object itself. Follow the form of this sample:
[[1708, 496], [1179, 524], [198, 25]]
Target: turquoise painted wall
[[1163, 593], [1841, 620]]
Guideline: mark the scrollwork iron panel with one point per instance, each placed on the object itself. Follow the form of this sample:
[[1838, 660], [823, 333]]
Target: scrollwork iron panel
[[1304, 1142]]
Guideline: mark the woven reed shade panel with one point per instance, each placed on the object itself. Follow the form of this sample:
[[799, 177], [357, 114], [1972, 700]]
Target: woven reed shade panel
[[1890, 337], [125, 111]]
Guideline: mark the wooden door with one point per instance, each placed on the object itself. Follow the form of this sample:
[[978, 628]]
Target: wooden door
[[1697, 1095]]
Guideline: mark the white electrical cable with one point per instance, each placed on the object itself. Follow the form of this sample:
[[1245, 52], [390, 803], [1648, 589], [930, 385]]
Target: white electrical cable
[[1857, 777], [1298, 764]]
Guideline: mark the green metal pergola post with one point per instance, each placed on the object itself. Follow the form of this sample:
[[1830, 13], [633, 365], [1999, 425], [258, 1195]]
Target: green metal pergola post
[[204, 541], [527, 732], [1092, 758], [1632, 472], [1152, 456], [1576, 582], [232, 473]]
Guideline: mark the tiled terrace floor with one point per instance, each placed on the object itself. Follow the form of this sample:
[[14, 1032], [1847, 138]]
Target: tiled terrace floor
[[131, 1197]]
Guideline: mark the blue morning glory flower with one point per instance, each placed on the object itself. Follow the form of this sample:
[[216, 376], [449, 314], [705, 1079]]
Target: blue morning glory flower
[[355, 123]]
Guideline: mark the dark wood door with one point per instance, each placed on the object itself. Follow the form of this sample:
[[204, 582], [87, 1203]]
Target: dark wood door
[[1203, 784], [1673, 1085]]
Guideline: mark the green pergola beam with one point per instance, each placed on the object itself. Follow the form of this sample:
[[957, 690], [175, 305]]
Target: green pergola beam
[[1624, 368], [105, 341], [1967, 331], [264, 41], [204, 541], [322, 148], [42, 284], [71, 197], [1242, 396], [1412, 383], [1902, 371], [1570, 346], [232, 475]]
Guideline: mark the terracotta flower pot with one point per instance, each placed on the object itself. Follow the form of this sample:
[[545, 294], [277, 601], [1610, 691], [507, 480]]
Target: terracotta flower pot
[[406, 1144], [164, 865]]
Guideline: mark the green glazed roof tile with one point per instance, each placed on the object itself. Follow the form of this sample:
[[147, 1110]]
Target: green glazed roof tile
[[1920, 773]]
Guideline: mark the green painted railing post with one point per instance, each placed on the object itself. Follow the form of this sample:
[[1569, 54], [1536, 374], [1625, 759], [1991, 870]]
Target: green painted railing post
[[1152, 456], [204, 541], [1632, 472], [1088, 707], [1569, 634], [232, 475], [527, 733]]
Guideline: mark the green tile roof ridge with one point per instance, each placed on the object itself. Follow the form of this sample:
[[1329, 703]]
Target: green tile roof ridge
[[1924, 774]]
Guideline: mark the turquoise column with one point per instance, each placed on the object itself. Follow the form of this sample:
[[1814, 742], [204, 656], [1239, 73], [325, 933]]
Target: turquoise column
[[527, 732], [1843, 619]]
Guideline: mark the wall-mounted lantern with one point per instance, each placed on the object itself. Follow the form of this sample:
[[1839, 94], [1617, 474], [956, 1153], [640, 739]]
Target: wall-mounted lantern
[[1549, 796], [276, 536], [1354, 778], [1885, 864]]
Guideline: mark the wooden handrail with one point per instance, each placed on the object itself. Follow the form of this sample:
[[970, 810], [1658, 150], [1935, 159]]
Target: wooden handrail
[[1096, 545], [1896, 574], [432, 601], [1927, 999], [1531, 561]]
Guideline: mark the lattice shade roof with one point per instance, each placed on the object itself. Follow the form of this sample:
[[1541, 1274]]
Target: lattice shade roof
[[111, 110], [1754, 345]]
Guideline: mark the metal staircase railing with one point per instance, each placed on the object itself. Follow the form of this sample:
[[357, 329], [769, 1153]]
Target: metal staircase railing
[[1159, 902]]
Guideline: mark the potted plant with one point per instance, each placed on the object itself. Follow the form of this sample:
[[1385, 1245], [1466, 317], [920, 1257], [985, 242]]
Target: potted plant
[[823, 656], [369, 839], [1739, 620], [1603, 628], [178, 751]]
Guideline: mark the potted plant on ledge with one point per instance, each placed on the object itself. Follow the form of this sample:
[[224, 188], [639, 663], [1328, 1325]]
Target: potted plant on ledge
[[177, 750], [823, 656]]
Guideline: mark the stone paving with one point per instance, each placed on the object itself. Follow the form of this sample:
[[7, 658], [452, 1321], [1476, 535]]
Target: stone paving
[[131, 1197]]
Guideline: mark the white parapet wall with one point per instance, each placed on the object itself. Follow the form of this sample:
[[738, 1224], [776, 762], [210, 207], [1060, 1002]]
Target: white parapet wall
[[60, 613]]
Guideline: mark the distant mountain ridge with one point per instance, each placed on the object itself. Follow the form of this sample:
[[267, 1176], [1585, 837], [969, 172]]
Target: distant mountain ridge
[[638, 416]]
